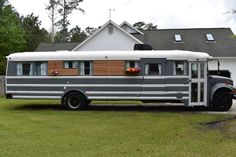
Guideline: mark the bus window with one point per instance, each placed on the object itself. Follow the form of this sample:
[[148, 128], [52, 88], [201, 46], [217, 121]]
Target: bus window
[[132, 64], [24, 69], [70, 64], [179, 68], [194, 69], [41, 68], [153, 69], [86, 68]]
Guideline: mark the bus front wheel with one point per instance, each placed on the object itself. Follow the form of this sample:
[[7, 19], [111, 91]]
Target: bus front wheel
[[75, 101], [222, 101]]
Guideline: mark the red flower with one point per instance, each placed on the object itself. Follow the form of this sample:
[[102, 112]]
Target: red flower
[[133, 70], [55, 72]]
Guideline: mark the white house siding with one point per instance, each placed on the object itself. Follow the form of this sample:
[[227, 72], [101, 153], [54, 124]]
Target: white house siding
[[103, 41], [226, 64]]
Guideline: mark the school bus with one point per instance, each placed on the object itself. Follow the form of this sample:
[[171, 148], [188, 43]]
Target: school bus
[[77, 78]]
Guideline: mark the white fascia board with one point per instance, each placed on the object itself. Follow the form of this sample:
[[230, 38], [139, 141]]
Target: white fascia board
[[104, 26], [123, 23]]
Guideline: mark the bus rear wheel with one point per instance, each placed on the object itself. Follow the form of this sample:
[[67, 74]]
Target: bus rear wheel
[[222, 101], [75, 101]]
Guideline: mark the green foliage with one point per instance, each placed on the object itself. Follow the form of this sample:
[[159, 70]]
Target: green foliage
[[143, 26], [42, 128], [90, 30], [33, 33], [77, 35], [12, 36], [139, 25], [65, 8]]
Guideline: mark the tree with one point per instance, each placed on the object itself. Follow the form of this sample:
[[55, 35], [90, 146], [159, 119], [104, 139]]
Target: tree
[[33, 33], [77, 35], [139, 25], [144, 27], [66, 7], [52, 7], [90, 30], [11, 33]]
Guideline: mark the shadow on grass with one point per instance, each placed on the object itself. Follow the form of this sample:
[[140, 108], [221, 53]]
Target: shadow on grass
[[38, 107], [120, 108]]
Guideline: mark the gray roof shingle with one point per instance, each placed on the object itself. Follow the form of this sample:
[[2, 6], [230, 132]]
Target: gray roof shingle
[[56, 46], [192, 40]]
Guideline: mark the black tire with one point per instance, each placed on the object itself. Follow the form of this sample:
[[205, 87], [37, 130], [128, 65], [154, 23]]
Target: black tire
[[222, 101], [75, 101]]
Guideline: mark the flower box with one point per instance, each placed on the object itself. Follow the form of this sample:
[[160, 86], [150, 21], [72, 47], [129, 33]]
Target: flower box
[[132, 71]]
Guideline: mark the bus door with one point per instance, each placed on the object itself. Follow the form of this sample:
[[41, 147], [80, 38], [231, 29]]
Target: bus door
[[198, 84]]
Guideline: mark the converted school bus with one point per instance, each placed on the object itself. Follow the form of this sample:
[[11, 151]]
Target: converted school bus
[[76, 78]]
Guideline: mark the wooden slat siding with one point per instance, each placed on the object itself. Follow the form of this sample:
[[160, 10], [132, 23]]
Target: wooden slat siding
[[116, 67], [100, 67], [109, 68], [59, 66]]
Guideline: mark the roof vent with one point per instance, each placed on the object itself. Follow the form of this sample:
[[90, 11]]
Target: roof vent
[[142, 47]]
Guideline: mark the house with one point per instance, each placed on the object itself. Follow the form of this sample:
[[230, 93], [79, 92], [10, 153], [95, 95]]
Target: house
[[217, 42]]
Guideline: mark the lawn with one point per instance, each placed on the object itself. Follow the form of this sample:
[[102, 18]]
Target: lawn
[[42, 128]]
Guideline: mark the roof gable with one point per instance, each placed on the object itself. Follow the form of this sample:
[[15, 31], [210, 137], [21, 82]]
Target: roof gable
[[106, 25], [129, 28]]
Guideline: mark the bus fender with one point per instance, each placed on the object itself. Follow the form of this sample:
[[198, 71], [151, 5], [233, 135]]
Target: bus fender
[[78, 91], [219, 86]]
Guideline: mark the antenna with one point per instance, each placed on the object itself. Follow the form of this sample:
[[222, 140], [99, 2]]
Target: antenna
[[110, 10]]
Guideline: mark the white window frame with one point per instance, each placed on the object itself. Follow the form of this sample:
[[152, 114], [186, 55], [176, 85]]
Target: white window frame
[[19, 68], [210, 37], [82, 68], [74, 65], [184, 68], [147, 69], [43, 68], [136, 65], [178, 38]]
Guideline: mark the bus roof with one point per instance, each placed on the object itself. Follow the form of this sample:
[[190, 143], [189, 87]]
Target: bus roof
[[108, 55]]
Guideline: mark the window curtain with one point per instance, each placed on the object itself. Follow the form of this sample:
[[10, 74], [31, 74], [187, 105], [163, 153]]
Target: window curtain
[[43, 67], [31, 69], [91, 68], [19, 69], [159, 69], [146, 69], [136, 65], [66, 65], [81, 68]]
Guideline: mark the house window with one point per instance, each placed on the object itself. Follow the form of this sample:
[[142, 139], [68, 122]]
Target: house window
[[70, 64], [178, 38], [86, 68], [180, 68], [132, 64], [24, 69], [153, 69], [210, 37], [41, 68]]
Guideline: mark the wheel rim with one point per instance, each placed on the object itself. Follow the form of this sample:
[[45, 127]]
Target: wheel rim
[[223, 101], [74, 102]]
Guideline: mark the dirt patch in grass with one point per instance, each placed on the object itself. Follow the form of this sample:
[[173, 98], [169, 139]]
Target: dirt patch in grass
[[227, 126]]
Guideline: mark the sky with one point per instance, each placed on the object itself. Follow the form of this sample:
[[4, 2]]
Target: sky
[[164, 13]]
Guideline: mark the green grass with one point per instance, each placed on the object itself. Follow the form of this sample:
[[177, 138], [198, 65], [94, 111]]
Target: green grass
[[42, 128]]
